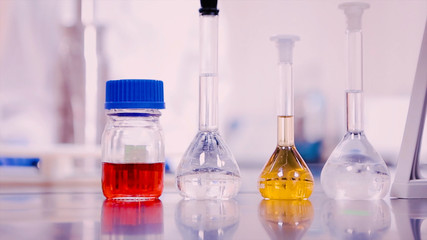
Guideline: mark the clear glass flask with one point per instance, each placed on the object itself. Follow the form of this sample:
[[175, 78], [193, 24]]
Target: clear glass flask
[[208, 169], [354, 170], [285, 175]]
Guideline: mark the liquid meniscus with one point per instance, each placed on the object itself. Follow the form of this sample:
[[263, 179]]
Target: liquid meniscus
[[286, 176], [132, 180]]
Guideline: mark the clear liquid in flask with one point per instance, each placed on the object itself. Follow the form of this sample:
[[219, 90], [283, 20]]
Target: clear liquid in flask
[[355, 171]]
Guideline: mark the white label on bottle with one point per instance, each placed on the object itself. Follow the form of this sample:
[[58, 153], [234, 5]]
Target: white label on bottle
[[135, 153]]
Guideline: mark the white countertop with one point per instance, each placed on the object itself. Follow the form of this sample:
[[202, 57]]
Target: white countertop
[[83, 213]]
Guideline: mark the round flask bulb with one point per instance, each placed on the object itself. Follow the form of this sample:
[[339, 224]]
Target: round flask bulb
[[286, 176], [355, 171], [208, 169]]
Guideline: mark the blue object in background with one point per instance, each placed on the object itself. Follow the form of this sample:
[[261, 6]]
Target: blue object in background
[[19, 162], [310, 151], [167, 166]]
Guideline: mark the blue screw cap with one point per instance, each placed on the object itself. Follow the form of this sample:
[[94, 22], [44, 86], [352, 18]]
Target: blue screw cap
[[134, 93]]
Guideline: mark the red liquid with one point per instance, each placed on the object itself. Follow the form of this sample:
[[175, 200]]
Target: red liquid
[[132, 180]]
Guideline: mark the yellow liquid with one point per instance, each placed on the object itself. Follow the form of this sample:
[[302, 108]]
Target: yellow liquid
[[286, 176]]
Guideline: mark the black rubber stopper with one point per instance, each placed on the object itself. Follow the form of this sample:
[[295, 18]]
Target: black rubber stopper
[[209, 7]]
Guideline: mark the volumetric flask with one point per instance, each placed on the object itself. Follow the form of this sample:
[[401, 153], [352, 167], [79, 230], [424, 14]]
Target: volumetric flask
[[285, 175], [354, 170], [208, 169]]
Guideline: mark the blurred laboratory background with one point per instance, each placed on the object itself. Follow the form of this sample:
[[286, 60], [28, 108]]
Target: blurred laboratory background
[[55, 57]]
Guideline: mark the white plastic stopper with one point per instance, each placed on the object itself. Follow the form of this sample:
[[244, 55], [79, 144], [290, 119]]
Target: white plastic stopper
[[353, 11], [285, 45]]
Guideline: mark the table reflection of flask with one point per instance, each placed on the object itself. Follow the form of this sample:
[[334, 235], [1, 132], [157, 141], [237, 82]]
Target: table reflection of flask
[[356, 219], [132, 219], [285, 175], [411, 217], [286, 219], [207, 219]]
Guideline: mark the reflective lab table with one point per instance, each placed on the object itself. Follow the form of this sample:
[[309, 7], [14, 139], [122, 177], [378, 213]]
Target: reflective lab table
[[83, 213]]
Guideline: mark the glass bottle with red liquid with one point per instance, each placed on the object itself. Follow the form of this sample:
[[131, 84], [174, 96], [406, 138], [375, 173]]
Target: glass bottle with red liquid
[[132, 143]]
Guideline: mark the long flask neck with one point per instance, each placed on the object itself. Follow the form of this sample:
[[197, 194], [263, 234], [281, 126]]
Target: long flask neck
[[354, 89], [208, 78], [285, 106]]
